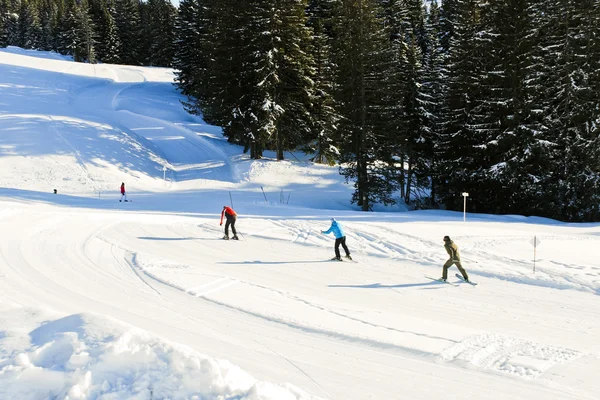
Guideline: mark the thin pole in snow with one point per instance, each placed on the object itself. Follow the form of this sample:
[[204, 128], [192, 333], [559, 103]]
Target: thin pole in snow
[[263, 190], [465, 195], [535, 242]]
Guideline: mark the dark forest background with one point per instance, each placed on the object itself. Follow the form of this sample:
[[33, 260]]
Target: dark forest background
[[416, 101]]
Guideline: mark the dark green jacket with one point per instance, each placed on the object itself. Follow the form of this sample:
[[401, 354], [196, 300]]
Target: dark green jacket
[[452, 250]]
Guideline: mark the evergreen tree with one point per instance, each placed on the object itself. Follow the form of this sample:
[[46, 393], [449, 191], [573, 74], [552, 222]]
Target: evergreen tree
[[573, 108], [30, 30], [111, 45], [414, 120], [4, 15], [323, 139], [361, 42], [162, 16], [461, 145], [225, 81], [293, 86], [127, 19], [188, 58], [144, 33], [513, 166], [77, 34], [448, 19], [433, 91], [48, 21], [12, 22]]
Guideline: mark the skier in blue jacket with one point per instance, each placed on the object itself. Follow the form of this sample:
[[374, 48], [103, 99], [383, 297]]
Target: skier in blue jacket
[[340, 238]]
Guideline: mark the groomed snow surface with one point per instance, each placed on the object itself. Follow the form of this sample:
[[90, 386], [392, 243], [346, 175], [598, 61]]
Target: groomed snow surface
[[144, 300]]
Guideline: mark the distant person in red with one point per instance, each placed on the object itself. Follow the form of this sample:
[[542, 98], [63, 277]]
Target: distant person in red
[[123, 195], [231, 216]]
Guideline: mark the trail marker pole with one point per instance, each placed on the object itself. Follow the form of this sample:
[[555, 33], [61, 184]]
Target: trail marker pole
[[263, 190], [465, 195], [535, 241], [164, 172]]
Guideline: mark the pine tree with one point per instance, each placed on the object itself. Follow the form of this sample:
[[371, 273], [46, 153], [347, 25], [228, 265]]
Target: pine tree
[[77, 33], [188, 55], [4, 23], [225, 81], [127, 19], [361, 43], [162, 16], [323, 124], [461, 145], [48, 21], [293, 88], [414, 121], [111, 45], [393, 92], [448, 19], [573, 107], [433, 92], [12, 23], [512, 152], [30, 31], [144, 51]]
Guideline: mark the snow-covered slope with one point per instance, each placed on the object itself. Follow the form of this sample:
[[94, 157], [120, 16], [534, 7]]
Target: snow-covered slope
[[142, 300]]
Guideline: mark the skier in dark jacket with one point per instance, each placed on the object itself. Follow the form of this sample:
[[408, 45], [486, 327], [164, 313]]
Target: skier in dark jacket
[[231, 217], [340, 239], [454, 254]]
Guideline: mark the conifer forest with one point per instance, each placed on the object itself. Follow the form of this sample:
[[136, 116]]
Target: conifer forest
[[415, 101]]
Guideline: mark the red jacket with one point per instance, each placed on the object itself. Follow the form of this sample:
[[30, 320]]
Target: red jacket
[[122, 188], [229, 211]]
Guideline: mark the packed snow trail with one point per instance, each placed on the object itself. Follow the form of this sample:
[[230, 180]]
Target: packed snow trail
[[287, 316]]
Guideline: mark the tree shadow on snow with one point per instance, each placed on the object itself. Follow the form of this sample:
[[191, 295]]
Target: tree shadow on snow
[[431, 284], [273, 262], [169, 239]]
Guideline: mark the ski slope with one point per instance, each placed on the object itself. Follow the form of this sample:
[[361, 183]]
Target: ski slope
[[143, 300]]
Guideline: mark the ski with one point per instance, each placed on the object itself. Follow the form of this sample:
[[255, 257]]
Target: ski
[[343, 259], [440, 280], [459, 276]]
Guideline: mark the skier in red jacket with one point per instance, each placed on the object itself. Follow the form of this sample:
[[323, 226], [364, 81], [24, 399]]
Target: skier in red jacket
[[123, 195], [231, 216]]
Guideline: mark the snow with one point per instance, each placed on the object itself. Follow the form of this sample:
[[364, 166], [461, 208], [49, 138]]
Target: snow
[[143, 300]]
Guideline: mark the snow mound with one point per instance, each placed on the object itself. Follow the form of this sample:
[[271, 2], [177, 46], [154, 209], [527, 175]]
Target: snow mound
[[84, 356]]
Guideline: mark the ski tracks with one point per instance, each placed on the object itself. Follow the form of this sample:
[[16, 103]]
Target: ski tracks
[[220, 284], [508, 355]]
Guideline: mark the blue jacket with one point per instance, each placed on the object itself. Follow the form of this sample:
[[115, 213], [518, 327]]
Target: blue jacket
[[336, 228]]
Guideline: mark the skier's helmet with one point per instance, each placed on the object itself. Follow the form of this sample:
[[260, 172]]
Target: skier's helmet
[[446, 238]]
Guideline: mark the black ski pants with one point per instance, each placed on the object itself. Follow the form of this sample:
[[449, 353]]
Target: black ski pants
[[341, 241], [230, 221]]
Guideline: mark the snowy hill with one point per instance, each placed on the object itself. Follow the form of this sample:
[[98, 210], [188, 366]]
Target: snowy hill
[[143, 300]]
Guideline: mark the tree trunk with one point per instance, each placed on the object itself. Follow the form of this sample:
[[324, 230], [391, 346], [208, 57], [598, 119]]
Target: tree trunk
[[401, 178], [408, 182], [279, 146], [363, 172]]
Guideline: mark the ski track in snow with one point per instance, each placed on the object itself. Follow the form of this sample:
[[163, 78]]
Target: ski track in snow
[[508, 354], [503, 354]]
